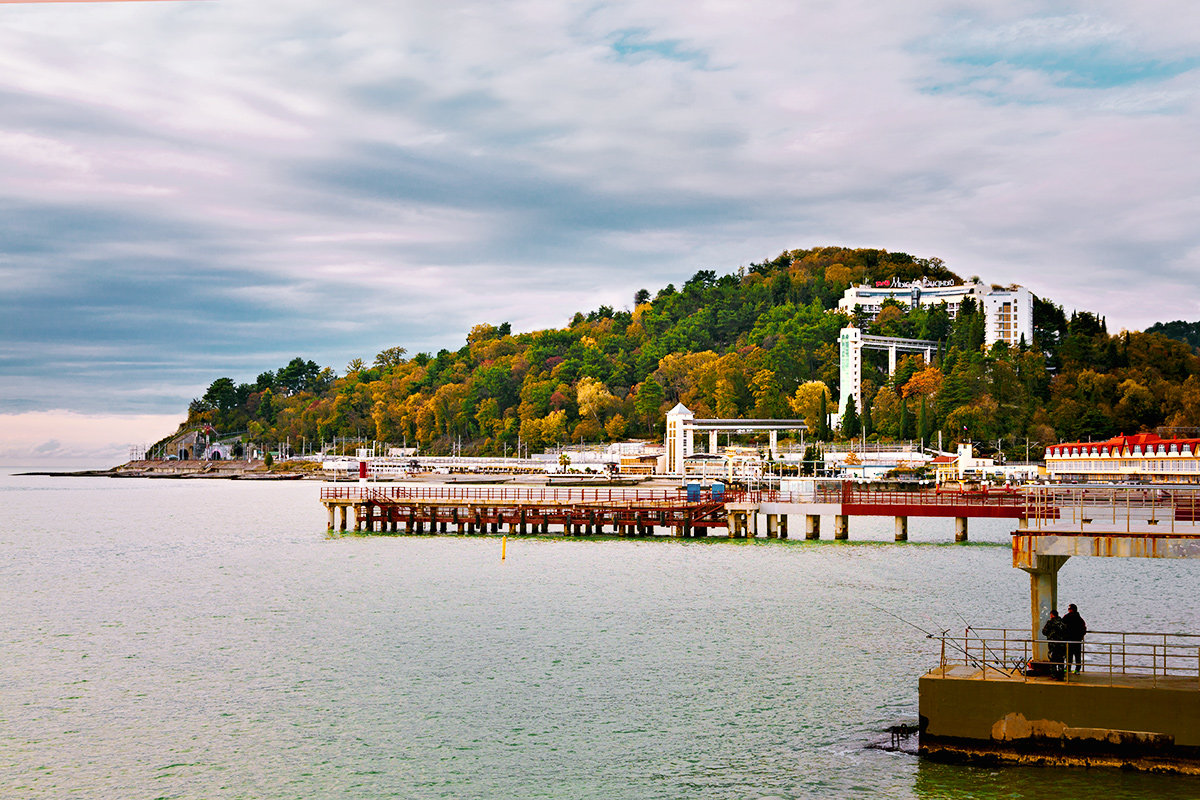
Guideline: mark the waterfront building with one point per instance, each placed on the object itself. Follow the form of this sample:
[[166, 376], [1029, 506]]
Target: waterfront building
[[1143, 457], [872, 460], [1008, 311], [963, 466]]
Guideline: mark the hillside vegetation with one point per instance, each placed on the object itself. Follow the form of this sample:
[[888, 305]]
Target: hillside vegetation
[[758, 342]]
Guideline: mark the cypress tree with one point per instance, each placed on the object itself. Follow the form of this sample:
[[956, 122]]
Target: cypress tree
[[922, 424], [850, 423], [823, 421]]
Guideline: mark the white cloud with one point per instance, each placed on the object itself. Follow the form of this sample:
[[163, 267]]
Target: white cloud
[[68, 438], [195, 183]]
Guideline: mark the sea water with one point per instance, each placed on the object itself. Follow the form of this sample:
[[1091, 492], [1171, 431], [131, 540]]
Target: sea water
[[208, 639]]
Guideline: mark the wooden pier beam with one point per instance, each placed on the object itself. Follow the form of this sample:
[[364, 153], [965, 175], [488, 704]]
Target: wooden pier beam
[[901, 529], [841, 526], [783, 522], [960, 529]]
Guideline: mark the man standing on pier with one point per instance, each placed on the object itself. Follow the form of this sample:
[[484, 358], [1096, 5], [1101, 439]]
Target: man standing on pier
[[1076, 630], [1056, 633]]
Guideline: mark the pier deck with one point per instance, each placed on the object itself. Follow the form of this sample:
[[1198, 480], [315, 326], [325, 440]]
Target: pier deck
[[442, 509], [686, 512], [747, 513]]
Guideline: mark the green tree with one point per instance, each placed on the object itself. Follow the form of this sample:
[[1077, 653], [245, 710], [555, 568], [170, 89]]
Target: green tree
[[221, 395], [648, 402], [851, 425], [266, 407], [823, 420], [391, 357]]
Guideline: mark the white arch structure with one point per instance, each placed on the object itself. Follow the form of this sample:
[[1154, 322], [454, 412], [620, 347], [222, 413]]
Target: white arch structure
[[682, 425], [853, 342]]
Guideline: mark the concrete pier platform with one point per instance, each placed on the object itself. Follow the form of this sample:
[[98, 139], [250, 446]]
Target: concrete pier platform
[[1142, 722]]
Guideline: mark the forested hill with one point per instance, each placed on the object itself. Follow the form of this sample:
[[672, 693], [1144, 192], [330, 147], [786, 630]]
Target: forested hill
[[1183, 331], [758, 342]]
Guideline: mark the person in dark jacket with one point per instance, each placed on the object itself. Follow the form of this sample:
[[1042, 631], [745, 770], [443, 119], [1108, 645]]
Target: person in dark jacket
[[1076, 630], [1056, 632]]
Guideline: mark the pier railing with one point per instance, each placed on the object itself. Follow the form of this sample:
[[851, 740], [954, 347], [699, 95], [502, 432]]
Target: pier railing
[[1114, 508], [1054, 508], [1006, 653], [528, 495]]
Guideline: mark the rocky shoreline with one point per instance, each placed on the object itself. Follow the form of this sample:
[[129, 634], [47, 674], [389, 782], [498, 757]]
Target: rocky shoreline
[[228, 470], [294, 471]]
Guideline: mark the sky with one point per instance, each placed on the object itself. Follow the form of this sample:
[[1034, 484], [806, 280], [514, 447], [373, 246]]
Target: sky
[[192, 189]]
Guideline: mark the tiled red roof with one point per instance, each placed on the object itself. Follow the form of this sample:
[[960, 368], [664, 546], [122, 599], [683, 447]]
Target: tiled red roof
[[1123, 442]]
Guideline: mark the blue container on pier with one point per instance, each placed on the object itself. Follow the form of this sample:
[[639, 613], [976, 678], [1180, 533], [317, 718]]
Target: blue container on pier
[[693, 492], [718, 491]]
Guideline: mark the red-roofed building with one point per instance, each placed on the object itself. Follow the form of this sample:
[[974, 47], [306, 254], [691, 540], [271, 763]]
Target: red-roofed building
[[1143, 456]]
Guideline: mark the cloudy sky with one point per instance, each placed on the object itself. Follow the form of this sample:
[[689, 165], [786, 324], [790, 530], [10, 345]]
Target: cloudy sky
[[198, 188]]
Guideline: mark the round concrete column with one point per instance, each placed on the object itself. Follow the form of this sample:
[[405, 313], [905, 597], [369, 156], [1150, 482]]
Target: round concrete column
[[812, 526], [841, 526]]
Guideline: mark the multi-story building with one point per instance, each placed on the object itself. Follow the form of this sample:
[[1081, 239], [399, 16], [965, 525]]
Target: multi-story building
[[1008, 315], [1142, 457], [869, 299], [1008, 312]]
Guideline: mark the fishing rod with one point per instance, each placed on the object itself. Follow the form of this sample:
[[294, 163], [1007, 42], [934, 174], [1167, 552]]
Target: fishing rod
[[974, 661], [992, 658]]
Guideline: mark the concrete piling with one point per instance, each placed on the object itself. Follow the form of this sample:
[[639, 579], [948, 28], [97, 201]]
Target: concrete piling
[[841, 526]]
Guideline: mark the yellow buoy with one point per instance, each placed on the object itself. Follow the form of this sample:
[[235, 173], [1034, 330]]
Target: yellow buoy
[[503, 546]]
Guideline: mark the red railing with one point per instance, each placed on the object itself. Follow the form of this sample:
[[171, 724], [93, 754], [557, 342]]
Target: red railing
[[846, 494], [489, 494]]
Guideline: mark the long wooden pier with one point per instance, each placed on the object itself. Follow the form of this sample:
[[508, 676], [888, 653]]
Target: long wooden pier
[[736, 513], [641, 512], [477, 510]]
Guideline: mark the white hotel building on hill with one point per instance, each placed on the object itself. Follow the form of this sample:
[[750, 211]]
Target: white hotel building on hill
[[1008, 312]]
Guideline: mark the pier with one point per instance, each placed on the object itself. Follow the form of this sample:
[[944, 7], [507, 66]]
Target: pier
[[571, 512], [995, 696], [683, 512]]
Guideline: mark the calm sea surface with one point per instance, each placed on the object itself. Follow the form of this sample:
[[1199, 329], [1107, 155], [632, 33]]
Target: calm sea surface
[[205, 639]]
